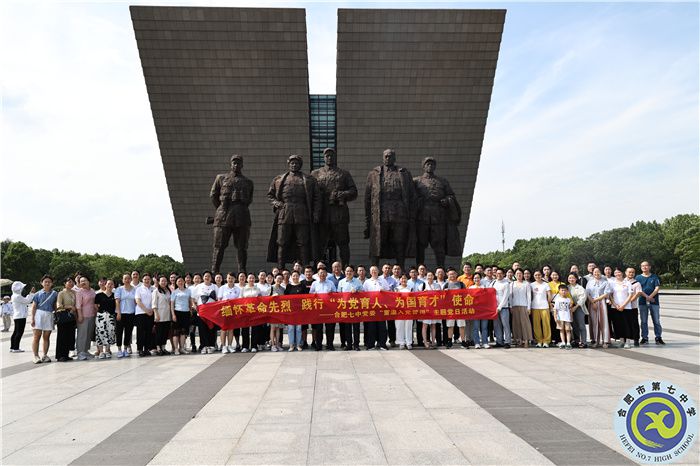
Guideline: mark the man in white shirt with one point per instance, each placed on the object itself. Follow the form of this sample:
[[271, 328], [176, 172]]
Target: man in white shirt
[[350, 284], [501, 326], [389, 283], [416, 284], [375, 332], [323, 286]]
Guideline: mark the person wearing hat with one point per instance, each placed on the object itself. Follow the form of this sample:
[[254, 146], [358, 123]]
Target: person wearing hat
[[19, 314], [231, 195], [7, 312], [438, 215], [295, 200]]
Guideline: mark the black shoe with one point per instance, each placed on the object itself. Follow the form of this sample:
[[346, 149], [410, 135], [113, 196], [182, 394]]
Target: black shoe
[[506, 346], [330, 348], [465, 345], [313, 345], [498, 345], [305, 346], [392, 344], [449, 344], [346, 348], [357, 348], [317, 348], [342, 346], [643, 341], [636, 343], [659, 341]]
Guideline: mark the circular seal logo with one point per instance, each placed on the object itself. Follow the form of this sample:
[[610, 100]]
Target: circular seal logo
[[656, 422]]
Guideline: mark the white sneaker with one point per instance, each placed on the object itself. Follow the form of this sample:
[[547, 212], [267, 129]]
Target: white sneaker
[[212, 349], [486, 346], [300, 348], [409, 346], [274, 349], [108, 355], [203, 351], [477, 346], [224, 349], [539, 345], [231, 348], [402, 346], [176, 352], [45, 358], [36, 360], [627, 346], [254, 350], [545, 345], [291, 348], [244, 350], [102, 356], [562, 345]]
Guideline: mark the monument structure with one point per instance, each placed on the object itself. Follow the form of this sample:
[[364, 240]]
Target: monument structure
[[337, 189], [235, 80], [231, 195]]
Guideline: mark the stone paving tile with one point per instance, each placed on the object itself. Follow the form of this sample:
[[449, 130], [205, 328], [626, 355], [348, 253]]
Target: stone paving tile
[[347, 448]]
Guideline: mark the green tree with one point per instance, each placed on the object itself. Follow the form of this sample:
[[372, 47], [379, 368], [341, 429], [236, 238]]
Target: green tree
[[688, 252], [19, 262]]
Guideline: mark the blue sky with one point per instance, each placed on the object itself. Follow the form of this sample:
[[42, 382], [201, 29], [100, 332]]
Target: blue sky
[[593, 122]]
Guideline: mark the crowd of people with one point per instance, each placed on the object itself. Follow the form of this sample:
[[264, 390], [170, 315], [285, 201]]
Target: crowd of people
[[539, 308]]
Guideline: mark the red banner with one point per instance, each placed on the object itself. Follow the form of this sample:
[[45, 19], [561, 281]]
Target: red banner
[[474, 303]]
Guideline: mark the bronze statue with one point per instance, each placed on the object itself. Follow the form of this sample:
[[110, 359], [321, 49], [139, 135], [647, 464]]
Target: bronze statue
[[390, 211], [337, 188], [438, 215], [231, 194], [295, 200]]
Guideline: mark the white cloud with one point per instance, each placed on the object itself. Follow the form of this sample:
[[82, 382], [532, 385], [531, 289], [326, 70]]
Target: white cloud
[[578, 111], [605, 134]]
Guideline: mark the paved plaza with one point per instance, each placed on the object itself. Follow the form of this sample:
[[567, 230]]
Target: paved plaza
[[495, 406]]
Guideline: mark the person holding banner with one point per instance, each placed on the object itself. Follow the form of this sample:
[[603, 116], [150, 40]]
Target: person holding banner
[[323, 286], [350, 284], [404, 328], [375, 336], [429, 341], [454, 284], [480, 328], [250, 291], [294, 331], [389, 283], [228, 291]]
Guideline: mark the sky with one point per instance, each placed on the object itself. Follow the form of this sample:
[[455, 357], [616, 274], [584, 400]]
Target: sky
[[593, 122]]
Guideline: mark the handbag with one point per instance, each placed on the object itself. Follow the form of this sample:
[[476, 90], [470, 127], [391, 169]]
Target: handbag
[[63, 317]]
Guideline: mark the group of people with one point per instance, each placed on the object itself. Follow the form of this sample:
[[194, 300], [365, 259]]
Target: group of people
[[599, 309]]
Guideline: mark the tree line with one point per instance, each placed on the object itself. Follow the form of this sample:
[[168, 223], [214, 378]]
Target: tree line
[[672, 247], [22, 262]]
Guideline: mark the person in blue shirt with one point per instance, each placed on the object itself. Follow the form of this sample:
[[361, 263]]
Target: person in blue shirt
[[323, 286], [649, 302], [43, 307], [350, 284], [416, 284]]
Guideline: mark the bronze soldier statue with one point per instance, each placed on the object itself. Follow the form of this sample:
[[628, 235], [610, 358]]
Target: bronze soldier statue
[[438, 215], [231, 194], [389, 211], [337, 188], [294, 197]]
